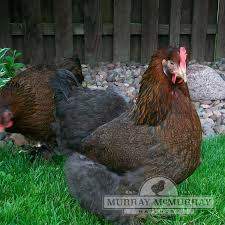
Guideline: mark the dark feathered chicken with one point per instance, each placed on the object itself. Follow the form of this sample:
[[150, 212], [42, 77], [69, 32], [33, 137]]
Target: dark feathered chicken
[[27, 102], [83, 112], [160, 137]]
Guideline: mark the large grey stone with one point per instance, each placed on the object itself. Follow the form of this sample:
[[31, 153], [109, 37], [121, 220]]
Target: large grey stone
[[205, 83]]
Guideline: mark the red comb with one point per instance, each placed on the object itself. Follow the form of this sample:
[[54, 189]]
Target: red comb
[[183, 57]]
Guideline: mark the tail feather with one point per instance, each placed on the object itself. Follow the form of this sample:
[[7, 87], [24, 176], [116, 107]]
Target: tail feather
[[63, 83], [77, 69], [76, 60], [89, 182], [73, 65]]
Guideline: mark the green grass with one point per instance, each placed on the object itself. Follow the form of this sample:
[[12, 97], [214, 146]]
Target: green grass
[[36, 193]]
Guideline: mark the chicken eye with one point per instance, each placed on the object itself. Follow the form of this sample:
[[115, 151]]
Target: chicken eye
[[171, 63]]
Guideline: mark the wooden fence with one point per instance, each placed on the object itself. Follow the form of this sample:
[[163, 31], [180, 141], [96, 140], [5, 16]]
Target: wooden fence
[[111, 30]]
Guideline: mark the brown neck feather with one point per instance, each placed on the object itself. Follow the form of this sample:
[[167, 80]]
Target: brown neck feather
[[155, 95]]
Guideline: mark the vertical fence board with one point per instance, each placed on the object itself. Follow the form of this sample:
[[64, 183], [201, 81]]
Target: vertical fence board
[[163, 41], [210, 39], [135, 41], [92, 31], [78, 11], [33, 39], [135, 11], [78, 17], [186, 11], [164, 11], [199, 29], [107, 45], [209, 48], [221, 30], [78, 43], [47, 11], [18, 44], [48, 40], [135, 48], [164, 18], [63, 28], [16, 11], [5, 38], [16, 16], [175, 19], [49, 50], [107, 11], [150, 16], [186, 18], [107, 40], [121, 39]]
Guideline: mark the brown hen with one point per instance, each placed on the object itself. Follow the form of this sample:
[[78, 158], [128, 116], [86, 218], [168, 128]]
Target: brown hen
[[28, 100], [160, 137]]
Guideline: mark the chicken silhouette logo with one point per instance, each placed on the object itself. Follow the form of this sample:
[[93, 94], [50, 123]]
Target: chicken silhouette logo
[[158, 186], [154, 187]]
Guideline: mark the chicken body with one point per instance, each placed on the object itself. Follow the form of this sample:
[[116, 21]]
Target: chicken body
[[30, 98], [83, 112], [161, 136], [169, 149]]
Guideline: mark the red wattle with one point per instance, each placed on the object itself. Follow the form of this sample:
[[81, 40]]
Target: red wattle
[[10, 124], [174, 78]]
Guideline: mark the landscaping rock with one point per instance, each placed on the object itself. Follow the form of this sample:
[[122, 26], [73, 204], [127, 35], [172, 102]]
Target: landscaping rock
[[18, 139], [220, 129], [205, 83]]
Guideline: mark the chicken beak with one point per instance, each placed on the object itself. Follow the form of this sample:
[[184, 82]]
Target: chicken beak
[[182, 74]]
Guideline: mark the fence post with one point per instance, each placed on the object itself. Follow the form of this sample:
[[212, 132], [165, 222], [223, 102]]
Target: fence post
[[175, 19], [199, 29], [5, 37], [33, 39], [121, 35], [92, 31], [150, 18], [63, 29], [220, 45]]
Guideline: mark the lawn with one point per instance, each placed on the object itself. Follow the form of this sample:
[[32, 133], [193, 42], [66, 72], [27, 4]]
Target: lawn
[[35, 193]]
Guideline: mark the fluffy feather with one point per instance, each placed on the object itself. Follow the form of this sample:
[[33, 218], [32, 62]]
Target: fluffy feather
[[82, 111]]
